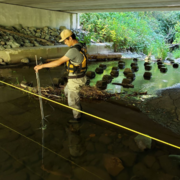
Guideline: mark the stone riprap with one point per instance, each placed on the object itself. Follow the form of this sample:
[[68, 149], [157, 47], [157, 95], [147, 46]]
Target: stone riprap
[[165, 109], [19, 36]]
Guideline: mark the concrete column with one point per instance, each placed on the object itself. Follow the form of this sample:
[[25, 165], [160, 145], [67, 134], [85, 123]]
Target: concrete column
[[77, 21], [71, 21]]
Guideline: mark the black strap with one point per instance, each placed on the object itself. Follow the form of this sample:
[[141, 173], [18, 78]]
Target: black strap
[[68, 65], [75, 77], [77, 46], [77, 67]]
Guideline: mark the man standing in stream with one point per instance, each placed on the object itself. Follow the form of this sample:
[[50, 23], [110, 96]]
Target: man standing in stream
[[76, 65]]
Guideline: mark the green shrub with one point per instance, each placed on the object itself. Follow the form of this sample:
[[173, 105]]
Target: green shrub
[[177, 35], [135, 30], [176, 53]]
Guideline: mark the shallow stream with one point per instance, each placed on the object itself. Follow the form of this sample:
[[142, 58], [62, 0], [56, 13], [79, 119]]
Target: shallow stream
[[91, 150]]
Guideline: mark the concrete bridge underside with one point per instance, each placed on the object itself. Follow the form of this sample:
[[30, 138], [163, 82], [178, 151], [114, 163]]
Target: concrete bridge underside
[[81, 6]]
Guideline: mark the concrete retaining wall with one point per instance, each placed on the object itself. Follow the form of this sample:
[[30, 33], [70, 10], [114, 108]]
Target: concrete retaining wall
[[11, 15], [48, 52]]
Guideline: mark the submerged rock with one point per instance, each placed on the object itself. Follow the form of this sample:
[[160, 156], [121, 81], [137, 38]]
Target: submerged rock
[[112, 164], [128, 158], [124, 175], [104, 139], [91, 173], [149, 160], [143, 142]]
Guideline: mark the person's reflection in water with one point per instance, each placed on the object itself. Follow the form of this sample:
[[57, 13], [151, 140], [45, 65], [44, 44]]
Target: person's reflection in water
[[76, 147], [76, 144]]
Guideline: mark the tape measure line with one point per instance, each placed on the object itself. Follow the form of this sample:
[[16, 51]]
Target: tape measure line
[[102, 119], [49, 150]]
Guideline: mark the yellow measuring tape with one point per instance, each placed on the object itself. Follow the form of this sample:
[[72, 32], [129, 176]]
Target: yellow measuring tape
[[102, 119], [48, 150]]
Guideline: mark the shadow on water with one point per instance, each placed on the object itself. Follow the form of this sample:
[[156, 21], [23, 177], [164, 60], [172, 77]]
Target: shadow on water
[[88, 150]]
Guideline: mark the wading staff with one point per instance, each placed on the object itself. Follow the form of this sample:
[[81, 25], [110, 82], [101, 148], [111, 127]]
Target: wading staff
[[41, 108]]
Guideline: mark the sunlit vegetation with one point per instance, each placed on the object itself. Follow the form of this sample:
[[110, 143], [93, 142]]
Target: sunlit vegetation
[[147, 32]]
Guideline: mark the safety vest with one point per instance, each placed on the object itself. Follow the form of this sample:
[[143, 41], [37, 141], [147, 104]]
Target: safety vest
[[82, 67]]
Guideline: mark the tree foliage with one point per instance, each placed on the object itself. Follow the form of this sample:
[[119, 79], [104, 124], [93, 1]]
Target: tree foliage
[[148, 32]]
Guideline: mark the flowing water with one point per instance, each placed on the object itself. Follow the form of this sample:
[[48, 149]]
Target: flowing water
[[86, 151]]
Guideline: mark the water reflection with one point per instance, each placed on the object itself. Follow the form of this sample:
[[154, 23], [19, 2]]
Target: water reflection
[[76, 144], [140, 84], [78, 151], [75, 151]]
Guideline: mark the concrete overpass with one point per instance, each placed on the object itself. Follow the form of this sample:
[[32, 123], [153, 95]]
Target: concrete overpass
[[79, 6]]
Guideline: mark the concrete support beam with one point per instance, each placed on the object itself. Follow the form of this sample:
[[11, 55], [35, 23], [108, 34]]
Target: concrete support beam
[[80, 6], [11, 15]]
